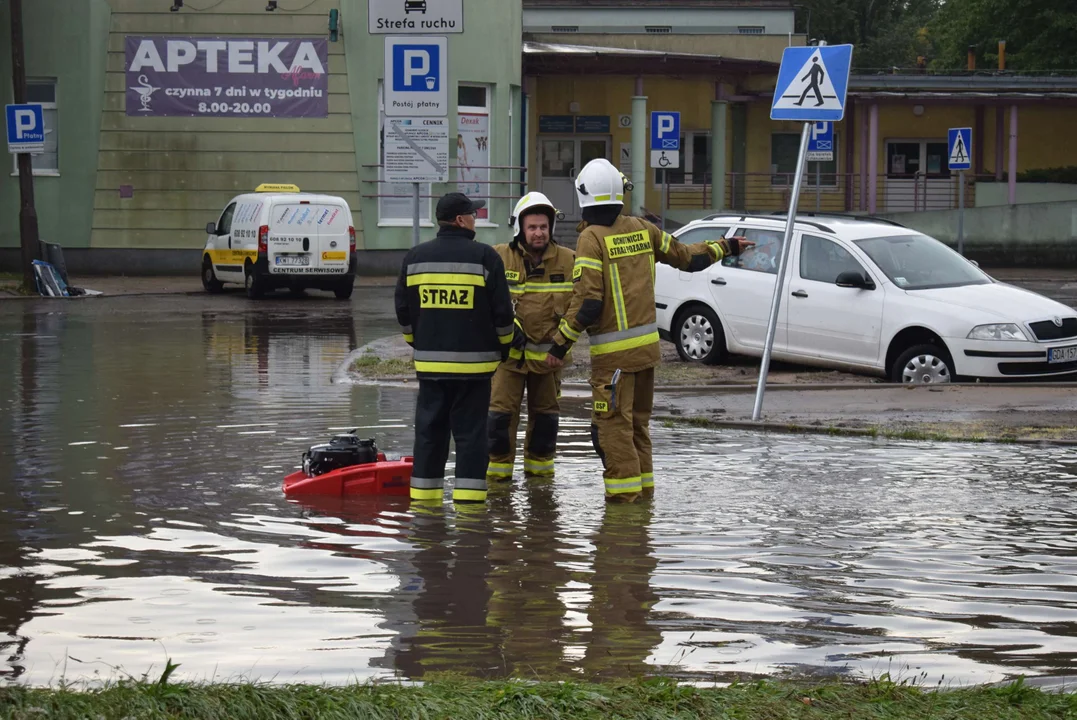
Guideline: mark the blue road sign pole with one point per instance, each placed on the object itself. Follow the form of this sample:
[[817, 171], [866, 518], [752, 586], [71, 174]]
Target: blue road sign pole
[[961, 212], [779, 282]]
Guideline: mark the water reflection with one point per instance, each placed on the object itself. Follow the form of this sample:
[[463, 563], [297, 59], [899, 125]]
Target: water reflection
[[142, 445]]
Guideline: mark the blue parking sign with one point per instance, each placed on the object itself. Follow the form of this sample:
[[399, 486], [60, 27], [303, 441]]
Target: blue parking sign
[[821, 142], [665, 130], [415, 82], [25, 128]]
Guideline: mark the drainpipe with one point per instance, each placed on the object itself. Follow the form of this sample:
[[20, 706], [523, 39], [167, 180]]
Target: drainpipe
[[1013, 154], [873, 158], [718, 154], [639, 148]]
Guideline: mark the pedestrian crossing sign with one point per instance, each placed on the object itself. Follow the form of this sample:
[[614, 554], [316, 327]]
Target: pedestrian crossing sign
[[812, 82], [960, 144]]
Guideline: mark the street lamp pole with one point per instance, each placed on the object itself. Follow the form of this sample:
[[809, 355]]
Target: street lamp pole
[[28, 234]]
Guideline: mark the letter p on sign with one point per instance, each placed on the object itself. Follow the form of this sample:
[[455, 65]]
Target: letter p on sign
[[25, 121], [416, 64]]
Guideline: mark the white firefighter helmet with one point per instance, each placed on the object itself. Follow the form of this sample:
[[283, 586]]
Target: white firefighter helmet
[[533, 201], [600, 183]]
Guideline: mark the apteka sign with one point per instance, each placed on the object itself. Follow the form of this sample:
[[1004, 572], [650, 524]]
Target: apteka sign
[[227, 76]]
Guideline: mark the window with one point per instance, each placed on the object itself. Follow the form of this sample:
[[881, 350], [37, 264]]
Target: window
[[473, 144], [763, 257], [658, 29], [695, 156], [751, 29], [396, 210], [823, 260], [565, 28], [703, 234], [48, 162], [224, 227], [783, 162]]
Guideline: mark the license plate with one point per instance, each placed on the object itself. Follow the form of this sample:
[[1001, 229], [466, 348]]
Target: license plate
[[293, 260], [1062, 354]]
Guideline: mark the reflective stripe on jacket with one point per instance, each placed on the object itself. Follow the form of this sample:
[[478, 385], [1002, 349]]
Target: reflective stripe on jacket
[[453, 306], [613, 297], [540, 295]]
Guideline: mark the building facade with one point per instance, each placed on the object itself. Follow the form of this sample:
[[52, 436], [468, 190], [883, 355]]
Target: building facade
[[536, 88]]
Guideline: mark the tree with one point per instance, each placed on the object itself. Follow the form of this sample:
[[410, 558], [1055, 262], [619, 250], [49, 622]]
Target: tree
[[1039, 34], [886, 33]]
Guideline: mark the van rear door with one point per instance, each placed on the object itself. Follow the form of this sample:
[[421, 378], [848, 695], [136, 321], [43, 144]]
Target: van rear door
[[308, 237], [333, 219]]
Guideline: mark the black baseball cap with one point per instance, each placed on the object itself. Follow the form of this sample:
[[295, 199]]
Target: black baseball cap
[[452, 204]]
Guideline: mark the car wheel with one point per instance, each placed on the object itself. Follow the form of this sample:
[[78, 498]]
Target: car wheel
[[698, 335], [209, 278], [252, 282], [343, 291], [923, 365]]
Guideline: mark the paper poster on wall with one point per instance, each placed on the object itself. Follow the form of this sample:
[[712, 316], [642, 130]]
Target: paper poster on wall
[[897, 165], [473, 157], [624, 164]]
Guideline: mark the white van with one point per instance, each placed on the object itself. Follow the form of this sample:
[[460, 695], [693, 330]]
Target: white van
[[279, 237]]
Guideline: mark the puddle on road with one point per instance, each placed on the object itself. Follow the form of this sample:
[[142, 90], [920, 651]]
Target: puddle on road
[[142, 447]]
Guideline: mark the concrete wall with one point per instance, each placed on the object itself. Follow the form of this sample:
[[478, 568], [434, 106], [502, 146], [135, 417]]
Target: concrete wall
[[492, 30], [65, 41], [1032, 235], [989, 194]]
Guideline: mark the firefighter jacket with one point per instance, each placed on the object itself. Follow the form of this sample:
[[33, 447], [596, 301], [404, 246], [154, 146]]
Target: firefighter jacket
[[613, 297], [540, 295], [454, 308]]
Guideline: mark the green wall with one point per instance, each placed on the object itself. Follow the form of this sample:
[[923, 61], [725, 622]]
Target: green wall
[[488, 51], [66, 40]]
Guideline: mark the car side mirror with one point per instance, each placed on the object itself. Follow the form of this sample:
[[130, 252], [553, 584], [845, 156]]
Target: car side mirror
[[211, 228], [974, 263], [854, 279]]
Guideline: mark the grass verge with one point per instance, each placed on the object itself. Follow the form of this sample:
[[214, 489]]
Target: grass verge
[[372, 367], [464, 698]]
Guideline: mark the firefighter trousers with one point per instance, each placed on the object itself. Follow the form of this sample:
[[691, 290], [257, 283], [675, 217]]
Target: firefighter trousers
[[458, 407], [620, 430], [543, 408]]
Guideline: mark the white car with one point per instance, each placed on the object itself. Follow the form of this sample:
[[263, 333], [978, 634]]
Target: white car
[[864, 295]]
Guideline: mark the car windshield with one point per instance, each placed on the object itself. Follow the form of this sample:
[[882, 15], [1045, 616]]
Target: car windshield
[[919, 262]]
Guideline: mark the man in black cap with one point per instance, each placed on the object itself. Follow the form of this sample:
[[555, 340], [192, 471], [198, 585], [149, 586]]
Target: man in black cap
[[454, 308]]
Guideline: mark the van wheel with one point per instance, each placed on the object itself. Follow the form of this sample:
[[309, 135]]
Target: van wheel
[[209, 278], [252, 282], [343, 291]]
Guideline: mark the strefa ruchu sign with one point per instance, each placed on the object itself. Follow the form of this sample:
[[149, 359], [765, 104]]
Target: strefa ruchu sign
[[227, 77]]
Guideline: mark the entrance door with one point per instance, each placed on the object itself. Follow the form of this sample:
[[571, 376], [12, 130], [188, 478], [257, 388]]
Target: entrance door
[[918, 176], [562, 160]]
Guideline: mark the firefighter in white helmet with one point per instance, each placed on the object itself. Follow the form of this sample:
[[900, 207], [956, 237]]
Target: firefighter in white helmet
[[539, 275], [613, 300]]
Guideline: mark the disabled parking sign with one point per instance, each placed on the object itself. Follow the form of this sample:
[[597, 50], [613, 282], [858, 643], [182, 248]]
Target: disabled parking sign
[[665, 140], [415, 82]]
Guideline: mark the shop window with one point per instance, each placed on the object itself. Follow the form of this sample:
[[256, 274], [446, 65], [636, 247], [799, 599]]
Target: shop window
[[473, 144], [397, 209], [695, 158], [783, 162], [48, 162]]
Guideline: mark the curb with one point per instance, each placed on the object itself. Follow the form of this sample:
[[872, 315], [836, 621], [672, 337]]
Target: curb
[[872, 432]]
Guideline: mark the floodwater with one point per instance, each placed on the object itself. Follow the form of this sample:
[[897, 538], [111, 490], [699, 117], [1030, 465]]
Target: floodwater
[[142, 445]]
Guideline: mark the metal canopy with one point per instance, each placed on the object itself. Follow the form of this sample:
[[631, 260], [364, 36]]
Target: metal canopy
[[559, 59]]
